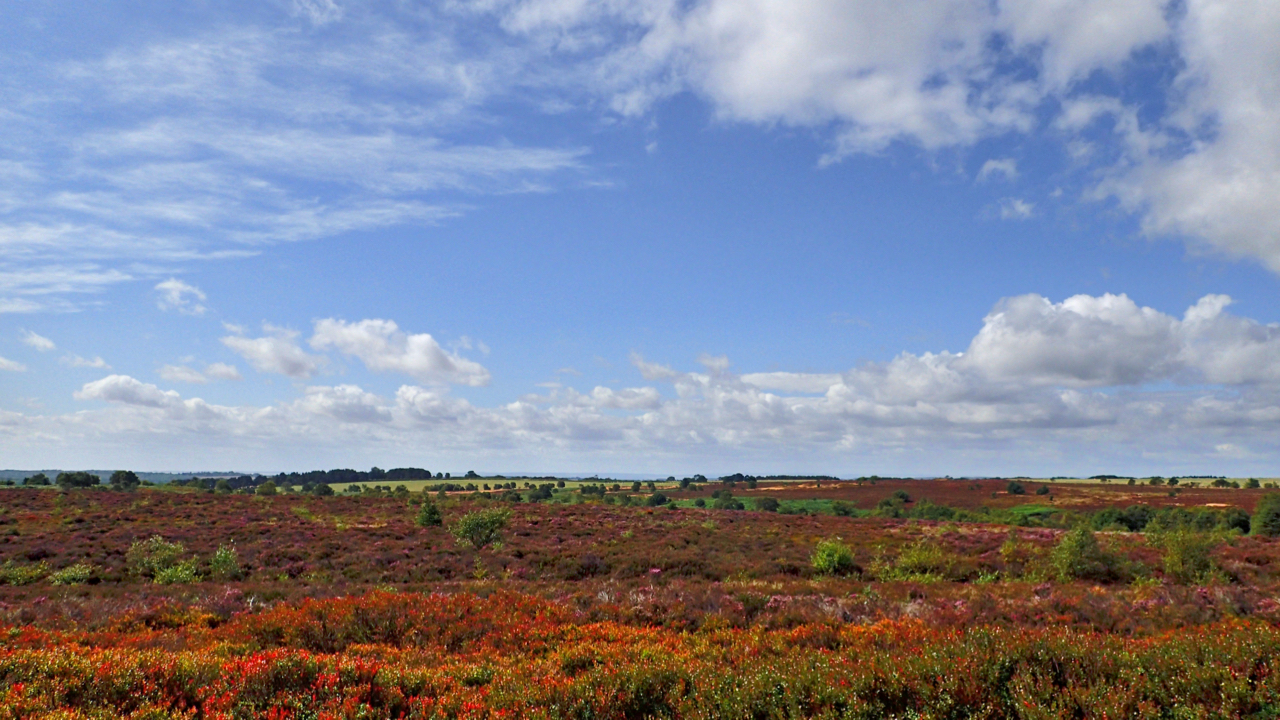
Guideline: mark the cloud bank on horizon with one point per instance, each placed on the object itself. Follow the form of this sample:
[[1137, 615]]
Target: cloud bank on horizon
[[143, 168]]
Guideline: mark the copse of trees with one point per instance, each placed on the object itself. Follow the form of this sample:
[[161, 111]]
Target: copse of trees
[[79, 479]]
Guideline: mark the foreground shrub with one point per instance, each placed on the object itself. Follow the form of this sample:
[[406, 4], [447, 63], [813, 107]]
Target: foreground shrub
[[417, 656], [77, 574], [481, 528], [832, 557]]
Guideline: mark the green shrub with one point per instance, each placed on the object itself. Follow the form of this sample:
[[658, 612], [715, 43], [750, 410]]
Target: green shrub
[[922, 560], [832, 557], [225, 564], [1077, 556], [77, 574], [148, 558], [1015, 488], [1186, 555], [767, 504], [481, 528], [1266, 516], [183, 573], [266, 488], [12, 573], [429, 514], [843, 509]]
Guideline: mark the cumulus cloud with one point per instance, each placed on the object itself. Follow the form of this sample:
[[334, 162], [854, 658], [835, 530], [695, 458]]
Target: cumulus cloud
[[177, 295], [276, 352], [1039, 379], [345, 402], [128, 391], [1206, 167], [383, 347], [39, 342]]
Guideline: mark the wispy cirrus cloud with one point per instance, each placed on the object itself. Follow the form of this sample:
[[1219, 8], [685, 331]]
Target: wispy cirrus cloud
[[214, 145]]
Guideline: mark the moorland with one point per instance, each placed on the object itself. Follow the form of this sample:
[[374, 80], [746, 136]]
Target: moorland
[[293, 597]]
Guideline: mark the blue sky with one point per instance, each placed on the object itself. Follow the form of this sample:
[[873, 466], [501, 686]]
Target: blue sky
[[641, 236]]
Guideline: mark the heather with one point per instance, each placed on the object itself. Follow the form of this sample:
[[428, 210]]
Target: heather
[[178, 603]]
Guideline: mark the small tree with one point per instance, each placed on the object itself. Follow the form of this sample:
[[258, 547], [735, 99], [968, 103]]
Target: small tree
[[266, 488], [1266, 516], [37, 479], [481, 528], [429, 514], [1078, 557], [767, 504], [1015, 488]]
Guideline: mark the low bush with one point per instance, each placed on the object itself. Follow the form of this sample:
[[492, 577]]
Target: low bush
[[225, 564], [481, 528], [77, 574], [832, 556], [12, 573]]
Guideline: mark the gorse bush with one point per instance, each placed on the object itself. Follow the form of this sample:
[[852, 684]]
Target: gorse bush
[[833, 557], [481, 528]]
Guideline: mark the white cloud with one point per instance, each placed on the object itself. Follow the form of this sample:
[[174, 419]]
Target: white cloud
[[383, 347], [223, 371], [1039, 381], [320, 12], [179, 296], [1007, 168], [792, 382], [39, 342], [128, 391], [276, 352], [347, 403], [1016, 209], [11, 365], [182, 373], [75, 361]]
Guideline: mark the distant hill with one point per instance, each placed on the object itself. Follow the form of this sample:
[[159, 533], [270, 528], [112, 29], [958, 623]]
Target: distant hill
[[155, 477]]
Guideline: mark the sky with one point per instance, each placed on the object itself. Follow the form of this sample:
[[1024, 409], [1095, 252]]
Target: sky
[[848, 237]]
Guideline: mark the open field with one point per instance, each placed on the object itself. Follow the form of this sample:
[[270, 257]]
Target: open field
[[618, 605]]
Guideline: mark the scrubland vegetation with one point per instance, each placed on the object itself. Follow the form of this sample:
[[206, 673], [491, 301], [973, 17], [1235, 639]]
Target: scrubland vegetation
[[746, 597]]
